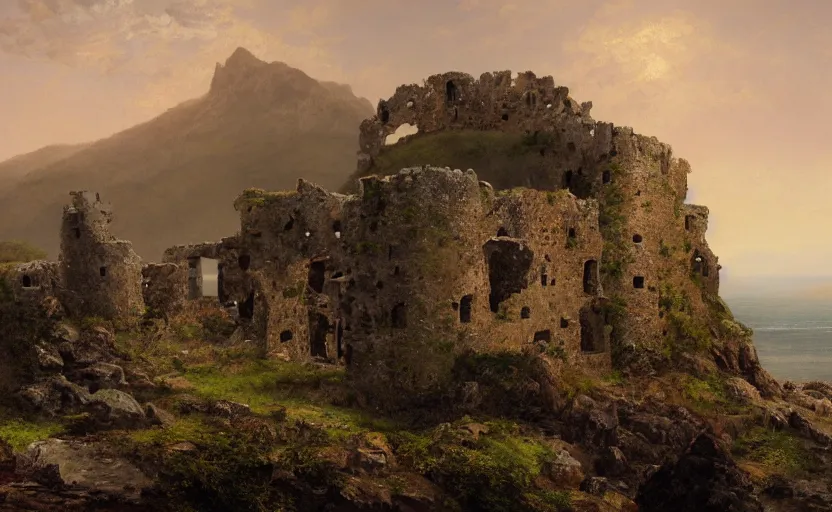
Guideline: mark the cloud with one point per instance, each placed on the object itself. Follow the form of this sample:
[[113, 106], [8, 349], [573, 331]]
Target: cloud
[[675, 60], [169, 45], [112, 34], [104, 33], [309, 18]]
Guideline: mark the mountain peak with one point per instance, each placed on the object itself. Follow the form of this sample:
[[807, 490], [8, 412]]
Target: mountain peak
[[242, 57], [237, 67]]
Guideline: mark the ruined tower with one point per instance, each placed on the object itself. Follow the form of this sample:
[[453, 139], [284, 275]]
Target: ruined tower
[[101, 275]]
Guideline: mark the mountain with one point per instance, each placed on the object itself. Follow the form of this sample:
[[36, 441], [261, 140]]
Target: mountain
[[172, 180]]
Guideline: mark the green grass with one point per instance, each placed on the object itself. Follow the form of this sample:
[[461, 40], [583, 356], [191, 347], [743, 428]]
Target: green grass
[[259, 383], [20, 434], [191, 429], [549, 501], [489, 153], [493, 472], [779, 452], [268, 386], [256, 197], [615, 377], [709, 395], [224, 472]]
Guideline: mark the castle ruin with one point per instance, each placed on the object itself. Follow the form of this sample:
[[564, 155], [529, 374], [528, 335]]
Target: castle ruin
[[398, 278]]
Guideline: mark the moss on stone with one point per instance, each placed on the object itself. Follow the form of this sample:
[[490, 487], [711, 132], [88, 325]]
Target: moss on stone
[[19, 433], [256, 197]]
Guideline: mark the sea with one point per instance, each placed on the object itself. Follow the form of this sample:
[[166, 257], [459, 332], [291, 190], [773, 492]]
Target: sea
[[793, 335]]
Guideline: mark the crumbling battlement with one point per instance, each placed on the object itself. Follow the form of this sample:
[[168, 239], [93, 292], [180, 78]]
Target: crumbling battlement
[[190, 257], [552, 141], [494, 102], [100, 275], [558, 134]]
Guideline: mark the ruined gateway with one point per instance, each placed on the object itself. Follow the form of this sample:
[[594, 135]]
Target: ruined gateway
[[414, 268]]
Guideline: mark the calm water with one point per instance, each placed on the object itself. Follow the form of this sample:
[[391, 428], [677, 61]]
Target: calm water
[[793, 336]]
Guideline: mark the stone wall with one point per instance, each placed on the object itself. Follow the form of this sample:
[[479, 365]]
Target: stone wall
[[572, 147], [292, 243], [232, 284], [164, 288], [31, 282], [101, 275]]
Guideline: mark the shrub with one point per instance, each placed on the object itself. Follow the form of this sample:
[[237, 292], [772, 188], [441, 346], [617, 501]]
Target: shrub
[[17, 251]]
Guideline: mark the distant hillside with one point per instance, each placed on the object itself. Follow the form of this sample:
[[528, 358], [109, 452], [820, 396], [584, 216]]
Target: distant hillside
[[173, 179], [15, 168]]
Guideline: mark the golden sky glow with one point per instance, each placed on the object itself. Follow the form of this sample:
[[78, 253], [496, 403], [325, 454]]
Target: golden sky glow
[[738, 87]]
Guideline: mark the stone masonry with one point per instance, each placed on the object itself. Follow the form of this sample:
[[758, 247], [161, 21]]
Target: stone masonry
[[100, 275]]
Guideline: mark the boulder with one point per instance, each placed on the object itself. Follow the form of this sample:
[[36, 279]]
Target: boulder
[[564, 470], [56, 463], [742, 390], [611, 462], [703, 479], [55, 396], [805, 427], [158, 416], [49, 359], [111, 408], [590, 425], [228, 409], [101, 376], [595, 485]]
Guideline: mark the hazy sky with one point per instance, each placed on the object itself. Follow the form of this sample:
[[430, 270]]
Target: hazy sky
[[741, 88]]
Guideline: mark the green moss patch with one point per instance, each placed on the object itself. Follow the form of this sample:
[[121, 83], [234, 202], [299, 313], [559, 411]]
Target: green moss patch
[[616, 254], [493, 471], [20, 434], [686, 332], [709, 396], [255, 197], [777, 451]]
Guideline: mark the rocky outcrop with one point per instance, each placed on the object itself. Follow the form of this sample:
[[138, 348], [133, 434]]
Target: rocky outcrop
[[703, 479], [738, 355], [72, 476]]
